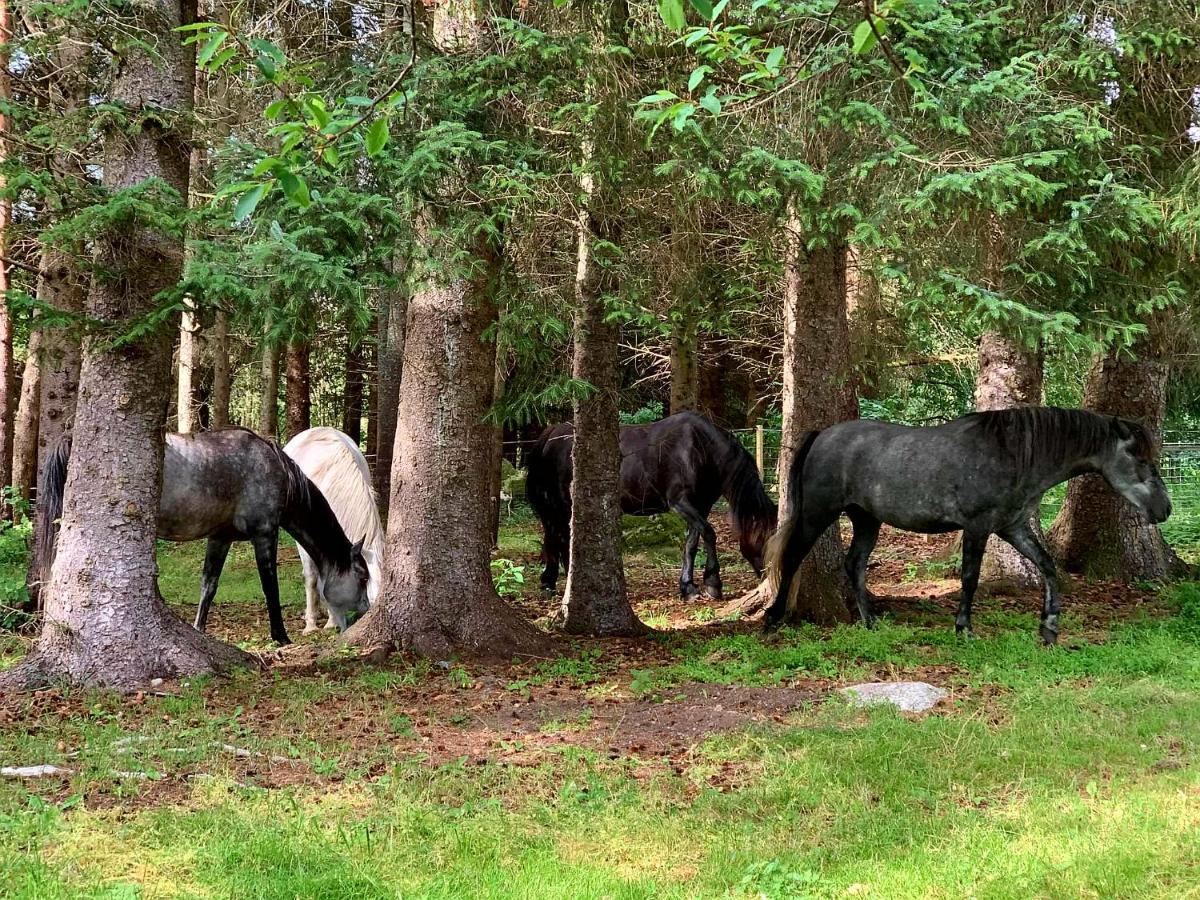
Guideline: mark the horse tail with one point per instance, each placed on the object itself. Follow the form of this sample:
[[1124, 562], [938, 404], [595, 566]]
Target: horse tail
[[52, 481], [795, 495]]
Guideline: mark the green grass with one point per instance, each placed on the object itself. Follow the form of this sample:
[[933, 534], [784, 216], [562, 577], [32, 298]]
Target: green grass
[[1052, 773]]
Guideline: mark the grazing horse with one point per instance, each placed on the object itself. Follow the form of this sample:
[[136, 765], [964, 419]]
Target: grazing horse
[[333, 462], [230, 485], [984, 474], [682, 463]]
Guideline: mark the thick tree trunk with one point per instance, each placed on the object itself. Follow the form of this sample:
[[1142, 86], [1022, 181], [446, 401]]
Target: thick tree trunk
[[1010, 374], [438, 599], [1097, 532], [392, 319], [818, 391], [104, 620], [497, 468], [268, 417], [352, 397], [298, 390], [25, 431], [219, 345]]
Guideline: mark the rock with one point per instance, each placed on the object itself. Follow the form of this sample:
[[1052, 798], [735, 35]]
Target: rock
[[908, 696], [32, 771]]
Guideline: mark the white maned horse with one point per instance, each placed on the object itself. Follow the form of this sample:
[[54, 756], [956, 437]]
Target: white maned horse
[[333, 462]]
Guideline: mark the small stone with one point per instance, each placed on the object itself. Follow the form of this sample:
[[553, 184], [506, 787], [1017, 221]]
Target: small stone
[[32, 771], [156, 682], [907, 696]]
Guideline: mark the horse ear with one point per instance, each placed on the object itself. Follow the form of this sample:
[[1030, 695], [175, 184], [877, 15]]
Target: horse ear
[[1121, 429], [357, 548]]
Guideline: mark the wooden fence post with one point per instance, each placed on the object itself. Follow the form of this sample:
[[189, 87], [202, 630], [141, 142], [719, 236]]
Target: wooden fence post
[[758, 450]]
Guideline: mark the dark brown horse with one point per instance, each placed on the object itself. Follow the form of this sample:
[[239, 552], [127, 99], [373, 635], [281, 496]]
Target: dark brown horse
[[682, 463]]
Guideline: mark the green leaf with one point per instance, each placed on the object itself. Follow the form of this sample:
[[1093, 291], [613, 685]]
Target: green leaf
[[710, 102], [331, 157], [213, 45], [704, 7], [673, 14], [294, 188], [697, 76], [377, 137], [865, 37], [774, 58], [248, 201]]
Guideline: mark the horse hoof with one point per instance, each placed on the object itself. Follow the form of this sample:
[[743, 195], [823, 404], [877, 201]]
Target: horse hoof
[[688, 592], [309, 629], [965, 634], [1049, 636], [713, 592]]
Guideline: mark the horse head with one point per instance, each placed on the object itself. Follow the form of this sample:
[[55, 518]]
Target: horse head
[[752, 538], [1129, 467], [345, 588]]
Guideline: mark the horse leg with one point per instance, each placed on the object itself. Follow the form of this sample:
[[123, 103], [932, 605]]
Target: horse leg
[[312, 606], [687, 583], [264, 554], [866, 533], [799, 543], [1027, 544], [556, 550], [973, 546], [214, 562], [712, 565]]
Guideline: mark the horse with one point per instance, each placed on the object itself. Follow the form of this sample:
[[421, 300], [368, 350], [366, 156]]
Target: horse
[[230, 485], [983, 474], [333, 462], [682, 463]]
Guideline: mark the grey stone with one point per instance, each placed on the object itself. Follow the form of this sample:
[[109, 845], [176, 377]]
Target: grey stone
[[908, 696]]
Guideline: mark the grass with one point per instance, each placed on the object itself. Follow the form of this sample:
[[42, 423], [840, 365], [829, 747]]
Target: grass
[[1061, 773]]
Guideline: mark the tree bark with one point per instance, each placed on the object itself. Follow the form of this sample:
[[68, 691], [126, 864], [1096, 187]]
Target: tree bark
[[352, 398], [105, 622], [189, 355], [268, 418], [298, 390], [818, 391], [1097, 532], [684, 368], [438, 599], [392, 328], [60, 288], [497, 468], [1010, 374], [219, 345], [25, 432]]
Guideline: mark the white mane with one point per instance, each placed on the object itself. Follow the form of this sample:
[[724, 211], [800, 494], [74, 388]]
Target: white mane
[[333, 462]]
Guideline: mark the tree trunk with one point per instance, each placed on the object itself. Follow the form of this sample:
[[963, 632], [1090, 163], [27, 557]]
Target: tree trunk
[[352, 398], [189, 356], [219, 404], [105, 622], [392, 316], [371, 390], [268, 418], [497, 467], [298, 390], [438, 599], [25, 432], [1010, 374], [818, 391], [684, 370], [1097, 532]]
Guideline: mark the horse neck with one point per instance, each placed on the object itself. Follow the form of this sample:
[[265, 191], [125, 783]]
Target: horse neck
[[1063, 470], [310, 520], [741, 485]]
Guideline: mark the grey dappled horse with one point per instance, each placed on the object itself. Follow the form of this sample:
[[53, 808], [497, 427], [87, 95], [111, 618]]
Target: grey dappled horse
[[229, 485], [984, 473]]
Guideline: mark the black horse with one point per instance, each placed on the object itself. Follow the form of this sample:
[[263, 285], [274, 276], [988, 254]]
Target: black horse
[[682, 463], [984, 473], [229, 485]]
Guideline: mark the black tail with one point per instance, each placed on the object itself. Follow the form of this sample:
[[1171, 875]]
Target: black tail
[[795, 488], [51, 481]]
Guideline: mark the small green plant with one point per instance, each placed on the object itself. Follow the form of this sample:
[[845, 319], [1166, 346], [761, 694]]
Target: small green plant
[[703, 614], [508, 577]]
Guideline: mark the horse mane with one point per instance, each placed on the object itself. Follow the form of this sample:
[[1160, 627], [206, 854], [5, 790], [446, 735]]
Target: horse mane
[[750, 507], [1032, 433], [333, 464], [306, 505]]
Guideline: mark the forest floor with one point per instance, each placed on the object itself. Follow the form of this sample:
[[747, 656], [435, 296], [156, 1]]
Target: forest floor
[[706, 761]]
